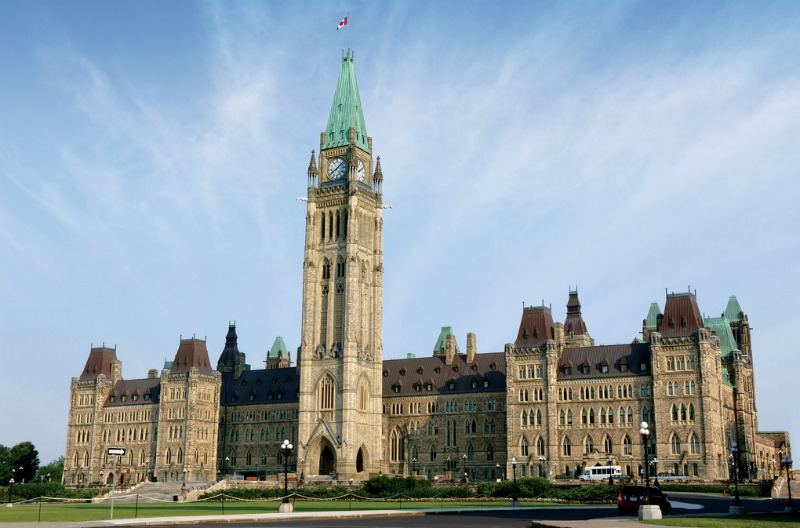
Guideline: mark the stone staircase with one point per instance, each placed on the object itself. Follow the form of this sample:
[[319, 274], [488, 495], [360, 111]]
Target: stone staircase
[[150, 492]]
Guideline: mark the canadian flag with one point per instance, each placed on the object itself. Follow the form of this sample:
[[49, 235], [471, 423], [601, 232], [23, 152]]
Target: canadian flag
[[342, 24]]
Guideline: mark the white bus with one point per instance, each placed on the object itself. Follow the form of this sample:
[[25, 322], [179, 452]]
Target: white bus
[[601, 473]]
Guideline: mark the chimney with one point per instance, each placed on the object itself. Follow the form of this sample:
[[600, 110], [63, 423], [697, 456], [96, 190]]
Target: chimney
[[152, 374], [472, 347], [450, 349]]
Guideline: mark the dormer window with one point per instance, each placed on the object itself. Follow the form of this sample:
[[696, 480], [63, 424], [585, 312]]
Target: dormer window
[[485, 384], [474, 384], [623, 367], [111, 399], [643, 367], [451, 385], [123, 398], [604, 368], [567, 370]]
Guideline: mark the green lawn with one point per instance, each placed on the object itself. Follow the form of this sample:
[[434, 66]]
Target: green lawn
[[95, 512]]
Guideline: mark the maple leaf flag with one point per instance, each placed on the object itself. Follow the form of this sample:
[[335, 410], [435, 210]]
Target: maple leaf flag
[[342, 24]]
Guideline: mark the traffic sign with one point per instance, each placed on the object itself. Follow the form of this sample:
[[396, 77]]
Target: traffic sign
[[116, 451]]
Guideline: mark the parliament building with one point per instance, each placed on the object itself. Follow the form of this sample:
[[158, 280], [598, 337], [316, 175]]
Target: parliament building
[[552, 399]]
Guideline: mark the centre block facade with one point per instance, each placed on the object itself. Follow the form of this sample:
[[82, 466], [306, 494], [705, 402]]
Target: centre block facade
[[552, 400]]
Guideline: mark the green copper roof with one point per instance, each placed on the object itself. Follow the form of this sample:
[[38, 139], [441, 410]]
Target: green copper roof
[[652, 316], [733, 312], [722, 327], [346, 110], [278, 348], [442, 341]]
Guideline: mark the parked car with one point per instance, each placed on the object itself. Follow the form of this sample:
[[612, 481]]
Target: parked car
[[631, 497]]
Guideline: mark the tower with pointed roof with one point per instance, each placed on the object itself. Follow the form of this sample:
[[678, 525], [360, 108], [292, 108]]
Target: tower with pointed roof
[[339, 426]]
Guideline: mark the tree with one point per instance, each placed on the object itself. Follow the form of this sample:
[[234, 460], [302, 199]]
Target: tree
[[24, 461], [54, 469], [5, 465]]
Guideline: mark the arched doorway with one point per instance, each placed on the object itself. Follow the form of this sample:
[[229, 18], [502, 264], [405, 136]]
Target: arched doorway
[[360, 461], [327, 461]]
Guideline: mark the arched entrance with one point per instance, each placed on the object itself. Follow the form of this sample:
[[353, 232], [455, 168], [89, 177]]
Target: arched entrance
[[327, 461], [360, 461]]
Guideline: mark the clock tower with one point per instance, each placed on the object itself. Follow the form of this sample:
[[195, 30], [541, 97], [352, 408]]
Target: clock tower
[[341, 351]]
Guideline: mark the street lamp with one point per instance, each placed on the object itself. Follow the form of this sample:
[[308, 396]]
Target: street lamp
[[543, 462], [786, 463], [735, 457], [514, 496], [499, 473], [185, 471], [10, 485], [286, 450], [413, 465], [645, 432], [465, 468], [227, 463]]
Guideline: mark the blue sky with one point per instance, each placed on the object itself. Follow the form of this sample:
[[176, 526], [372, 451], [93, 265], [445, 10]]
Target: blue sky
[[151, 153]]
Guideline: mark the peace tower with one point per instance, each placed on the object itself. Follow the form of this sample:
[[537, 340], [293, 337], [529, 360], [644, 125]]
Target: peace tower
[[340, 360]]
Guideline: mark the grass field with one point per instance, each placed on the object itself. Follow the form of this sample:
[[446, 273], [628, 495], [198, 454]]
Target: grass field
[[95, 512]]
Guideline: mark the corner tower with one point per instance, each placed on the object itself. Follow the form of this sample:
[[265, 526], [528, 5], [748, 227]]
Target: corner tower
[[341, 352]]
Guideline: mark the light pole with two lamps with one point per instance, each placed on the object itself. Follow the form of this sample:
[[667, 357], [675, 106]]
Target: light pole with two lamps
[[286, 451], [736, 508], [514, 495], [647, 511], [786, 463], [466, 478]]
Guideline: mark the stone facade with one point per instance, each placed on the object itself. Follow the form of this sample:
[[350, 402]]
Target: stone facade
[[552, 400]]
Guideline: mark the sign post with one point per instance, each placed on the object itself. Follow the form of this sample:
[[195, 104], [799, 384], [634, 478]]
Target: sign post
[[118, 453]]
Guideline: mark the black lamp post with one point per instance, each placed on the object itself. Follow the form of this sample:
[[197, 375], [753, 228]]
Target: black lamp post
[[514, 495], [465, 468], [786, 463], [735, 457], [286, 450], [413, 465], [10, 485], [645, 432]]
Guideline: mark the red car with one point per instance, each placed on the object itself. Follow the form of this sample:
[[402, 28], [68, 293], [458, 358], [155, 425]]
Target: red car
[[631, 497]]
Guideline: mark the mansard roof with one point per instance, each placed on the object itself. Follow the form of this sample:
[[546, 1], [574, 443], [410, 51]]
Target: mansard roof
[[535, 328], [633, 355], [681, 315], [413, 375], [134, 392], [346, 112], [259, 387], [99, 362], [192, 353]]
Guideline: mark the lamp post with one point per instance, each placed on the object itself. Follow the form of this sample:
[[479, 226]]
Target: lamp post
[[654, 463], [543, 463], [286, 451], [735, 457], [466, 479], [786, 463], [413, 465], [647, 511], [514, 495], [10, 485]]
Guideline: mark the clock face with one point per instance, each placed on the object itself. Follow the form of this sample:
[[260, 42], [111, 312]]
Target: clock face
[[362, 172], [337, 168]]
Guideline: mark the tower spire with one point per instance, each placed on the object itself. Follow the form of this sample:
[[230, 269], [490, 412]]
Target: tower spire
[[346, 112]]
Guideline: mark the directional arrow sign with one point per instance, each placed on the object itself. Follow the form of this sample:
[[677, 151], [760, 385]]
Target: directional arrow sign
[[116, 451]]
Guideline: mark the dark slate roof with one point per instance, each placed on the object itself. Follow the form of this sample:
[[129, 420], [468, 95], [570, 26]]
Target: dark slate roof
[[633, 355], [257, 387], [408, 374], [574, 323], [231, 347], [99, 362], [535, 328], [681, 315], [192, 353], [132, 392]]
